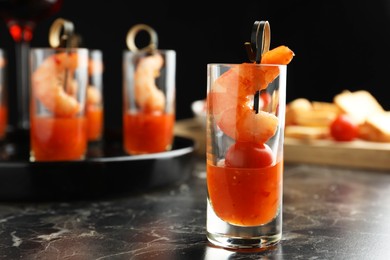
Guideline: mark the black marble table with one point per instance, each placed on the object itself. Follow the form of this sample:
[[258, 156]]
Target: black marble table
[[329, 213]]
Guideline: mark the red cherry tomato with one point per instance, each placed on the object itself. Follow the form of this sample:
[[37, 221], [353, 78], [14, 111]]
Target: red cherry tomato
[[248, 155], [344, 128]]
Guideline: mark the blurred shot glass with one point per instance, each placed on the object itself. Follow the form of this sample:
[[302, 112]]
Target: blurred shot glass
[[59, 79], [94, 105], [3, 95], [148, 101]]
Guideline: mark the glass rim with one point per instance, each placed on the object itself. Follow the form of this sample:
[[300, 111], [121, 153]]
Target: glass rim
[[58, 49], [246, 64], [147, 51]]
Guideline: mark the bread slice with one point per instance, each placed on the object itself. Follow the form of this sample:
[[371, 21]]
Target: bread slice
[[376, 128], [305, 113], [359, 104], [326, 106], [295, 108], [315, 118], [306, 132]]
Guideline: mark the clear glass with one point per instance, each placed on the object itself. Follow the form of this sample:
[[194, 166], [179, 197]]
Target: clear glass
[[245, 135], [95, 106], [3, 95], [21, 17], [148, 101], [59, 79]]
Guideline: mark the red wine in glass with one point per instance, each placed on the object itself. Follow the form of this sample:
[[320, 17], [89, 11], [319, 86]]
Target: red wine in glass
[[21, 17]]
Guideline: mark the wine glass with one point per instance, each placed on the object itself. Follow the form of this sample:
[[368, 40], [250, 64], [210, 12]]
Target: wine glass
[[21, 17]]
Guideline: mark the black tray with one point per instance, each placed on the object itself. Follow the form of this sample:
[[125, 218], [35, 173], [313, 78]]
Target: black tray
[[106, 171]]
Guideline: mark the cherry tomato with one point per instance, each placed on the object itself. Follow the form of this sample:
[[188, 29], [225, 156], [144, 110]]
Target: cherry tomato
[[344, 128], [248, 155]]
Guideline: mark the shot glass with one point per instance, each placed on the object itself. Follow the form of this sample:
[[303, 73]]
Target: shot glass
[[59, 79], [245, 135], [3, 96], [148, 101], [94, 108]]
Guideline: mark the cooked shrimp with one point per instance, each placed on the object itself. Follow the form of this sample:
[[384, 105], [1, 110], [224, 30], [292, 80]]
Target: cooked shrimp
[[94, 96], [232, 98], [48, 84], [240, 122], [147, 94], [95, 67], [2, 62], [279, 55]]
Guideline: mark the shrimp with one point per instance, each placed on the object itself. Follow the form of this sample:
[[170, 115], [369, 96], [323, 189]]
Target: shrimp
[[232, 98], [279, 55], [48, 84], [147, 94], [3, 62], [94, 96], [95, 67]]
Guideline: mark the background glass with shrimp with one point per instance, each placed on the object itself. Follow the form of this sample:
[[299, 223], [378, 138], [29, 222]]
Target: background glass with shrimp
[[3, 95], [94, 103], [59, 79], [149, 96], [245, 133]]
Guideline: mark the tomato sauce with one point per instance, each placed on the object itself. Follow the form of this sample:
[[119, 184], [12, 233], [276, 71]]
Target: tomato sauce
[[148, 132], [245, 196], [54, 139]]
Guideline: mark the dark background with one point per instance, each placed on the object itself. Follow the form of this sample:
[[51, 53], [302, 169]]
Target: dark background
[[338, 45]]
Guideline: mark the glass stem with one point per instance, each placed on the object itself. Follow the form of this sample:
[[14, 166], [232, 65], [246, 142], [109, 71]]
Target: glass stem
[[22, 81]]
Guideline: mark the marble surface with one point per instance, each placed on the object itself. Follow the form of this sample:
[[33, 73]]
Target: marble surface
[[329, 213]]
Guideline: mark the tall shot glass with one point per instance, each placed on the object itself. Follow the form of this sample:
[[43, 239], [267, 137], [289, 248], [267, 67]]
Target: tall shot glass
[[245, 135], [59, 78], [148, 101]]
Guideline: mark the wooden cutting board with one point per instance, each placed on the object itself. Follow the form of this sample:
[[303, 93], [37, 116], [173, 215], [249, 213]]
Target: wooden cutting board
[[356, 154]]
